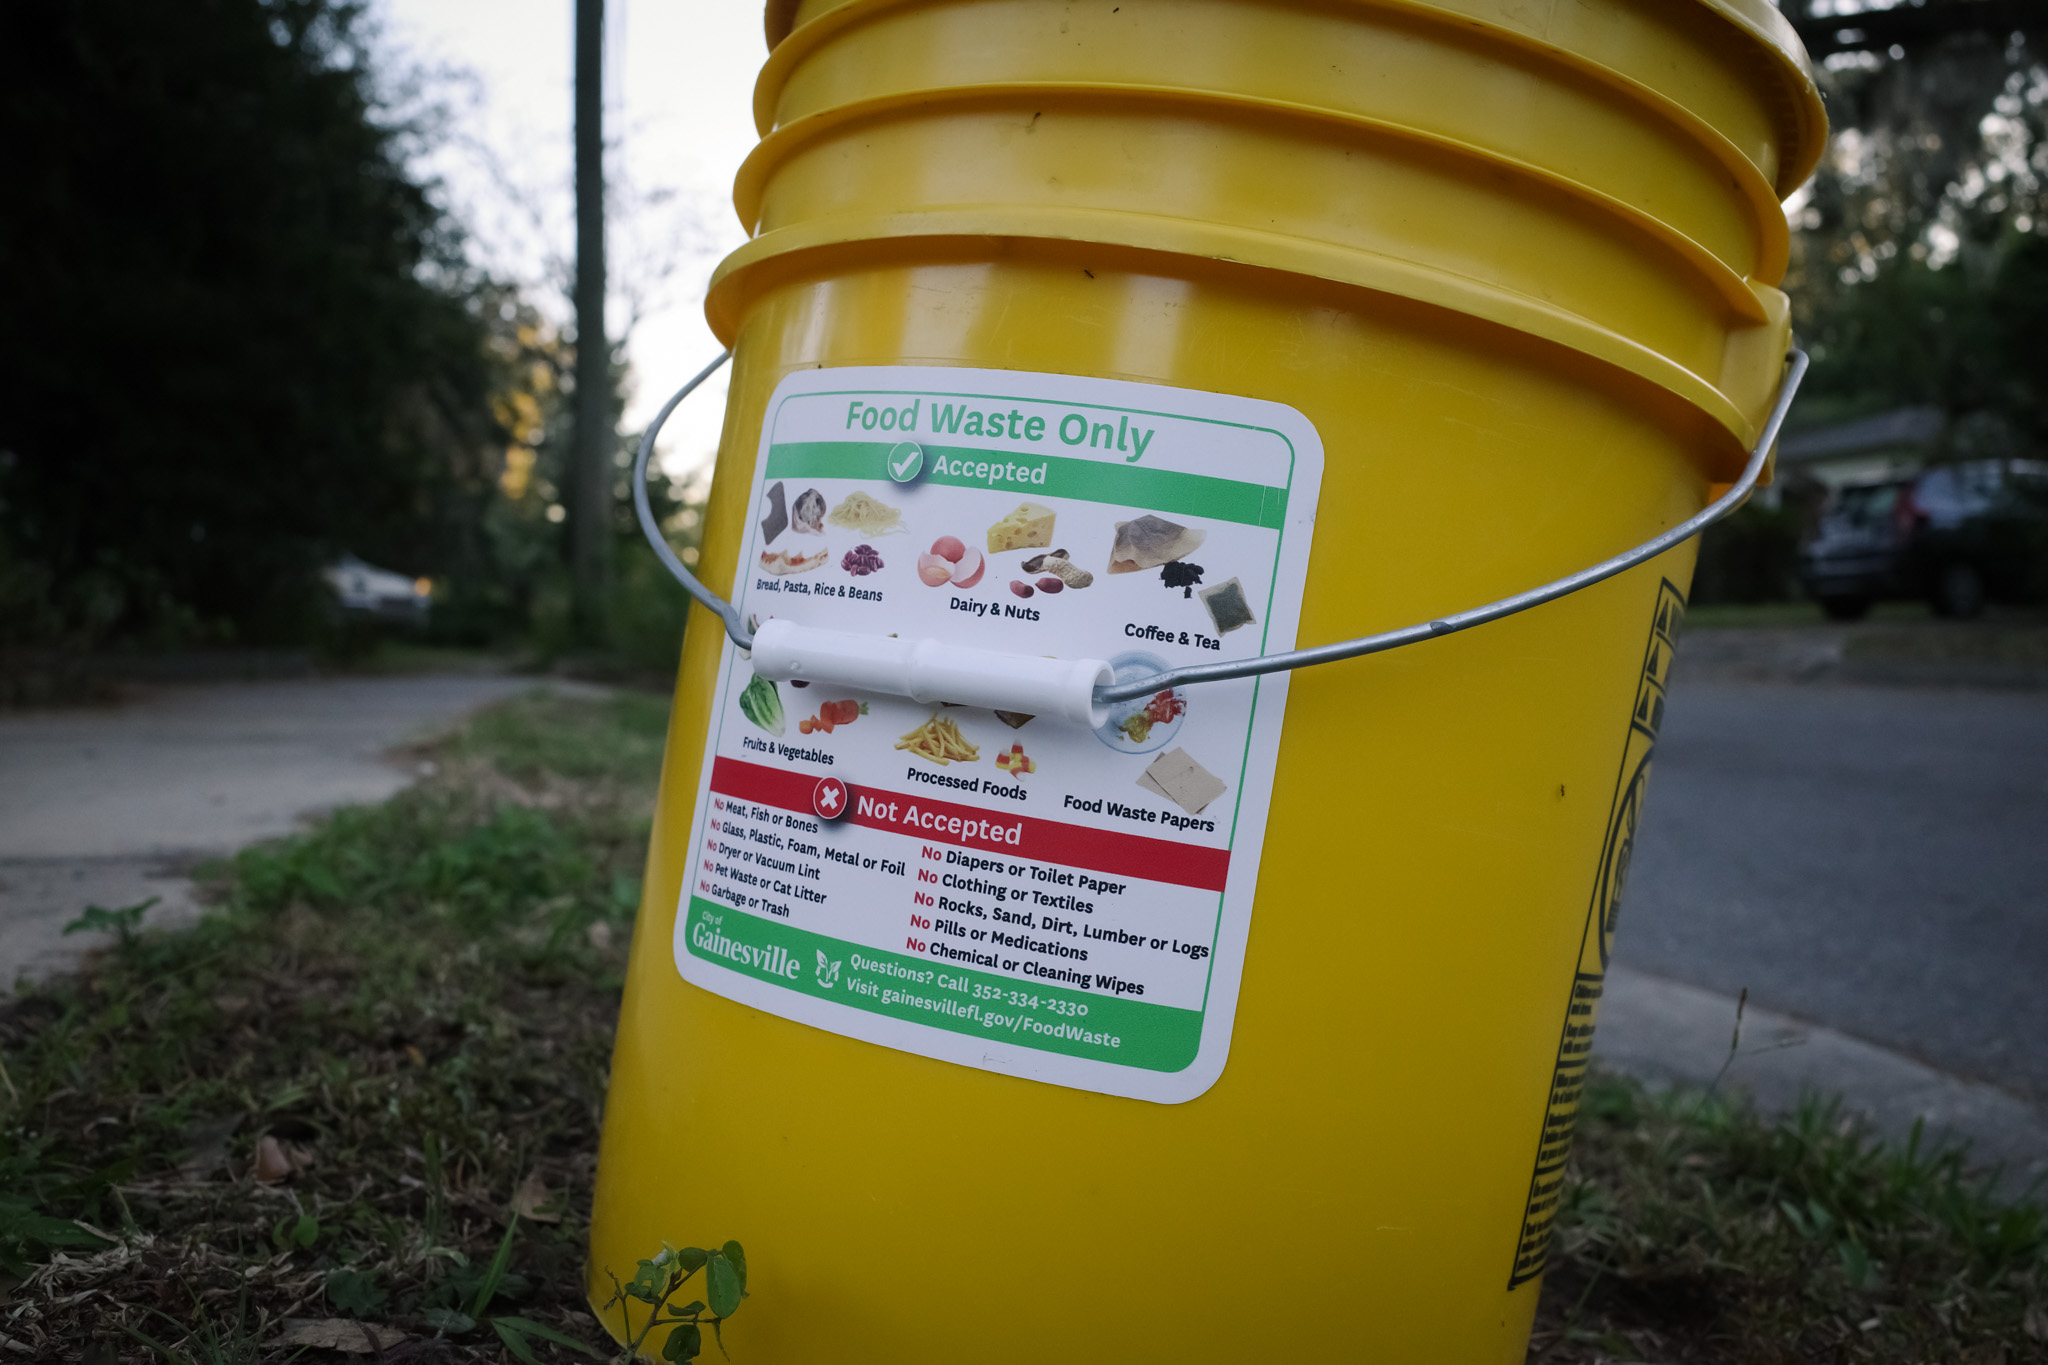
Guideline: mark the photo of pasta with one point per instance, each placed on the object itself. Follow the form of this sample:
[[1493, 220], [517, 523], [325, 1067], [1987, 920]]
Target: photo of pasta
[[859, 512]]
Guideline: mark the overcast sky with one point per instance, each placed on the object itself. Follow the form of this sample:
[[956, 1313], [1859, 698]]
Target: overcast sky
[[680, 78]]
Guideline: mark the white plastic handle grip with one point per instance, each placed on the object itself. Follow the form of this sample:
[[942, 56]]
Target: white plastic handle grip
[[929, 670]]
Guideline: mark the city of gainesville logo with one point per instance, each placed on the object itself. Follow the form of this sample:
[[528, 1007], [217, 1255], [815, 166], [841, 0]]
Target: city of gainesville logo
[[770, 961]]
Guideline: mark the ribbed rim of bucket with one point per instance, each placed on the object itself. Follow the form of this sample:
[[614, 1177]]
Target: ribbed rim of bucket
[[1712, 272], [801, 249], [1802, 119], [779, 20]]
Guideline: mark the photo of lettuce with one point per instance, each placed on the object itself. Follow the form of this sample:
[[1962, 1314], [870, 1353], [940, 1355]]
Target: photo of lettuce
[[762, 704]]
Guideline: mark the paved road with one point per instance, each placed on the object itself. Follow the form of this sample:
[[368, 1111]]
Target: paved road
[[1870, 859], [112, 805]]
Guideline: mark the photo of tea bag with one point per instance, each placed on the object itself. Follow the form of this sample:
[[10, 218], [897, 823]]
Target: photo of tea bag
[[1150, 541], [1227, 607]]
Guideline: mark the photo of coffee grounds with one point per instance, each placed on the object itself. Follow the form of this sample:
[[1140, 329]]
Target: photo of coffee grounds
[[1183, 575]]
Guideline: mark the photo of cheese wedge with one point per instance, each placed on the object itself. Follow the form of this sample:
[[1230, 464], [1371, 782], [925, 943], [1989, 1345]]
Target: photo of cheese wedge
[[1030, 525]]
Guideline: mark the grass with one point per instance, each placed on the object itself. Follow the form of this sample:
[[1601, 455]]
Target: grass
[[327, 1103], [326, 1100], [1692, 1230]]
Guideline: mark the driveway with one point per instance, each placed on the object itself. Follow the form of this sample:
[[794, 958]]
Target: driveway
[[109, 806], [1874, 860]]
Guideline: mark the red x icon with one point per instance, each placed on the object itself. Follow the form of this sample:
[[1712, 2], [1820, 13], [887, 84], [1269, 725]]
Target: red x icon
[[828, 798]]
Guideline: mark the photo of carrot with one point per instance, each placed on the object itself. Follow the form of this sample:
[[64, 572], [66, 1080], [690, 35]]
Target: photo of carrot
[[831, 715]]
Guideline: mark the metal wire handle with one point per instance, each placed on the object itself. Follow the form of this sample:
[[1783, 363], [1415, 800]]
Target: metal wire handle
[[725, 610], [1738, 493]]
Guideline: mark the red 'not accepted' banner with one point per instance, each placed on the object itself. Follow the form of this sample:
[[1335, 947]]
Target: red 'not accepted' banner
[[1019, 836]]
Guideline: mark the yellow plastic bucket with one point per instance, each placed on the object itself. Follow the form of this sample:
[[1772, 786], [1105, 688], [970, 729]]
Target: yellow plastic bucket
[[1515, 265]]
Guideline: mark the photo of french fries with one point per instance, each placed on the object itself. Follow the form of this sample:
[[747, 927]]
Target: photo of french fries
[[939, 740]]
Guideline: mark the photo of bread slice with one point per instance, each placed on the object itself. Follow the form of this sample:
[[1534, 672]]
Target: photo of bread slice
[[784, 562]]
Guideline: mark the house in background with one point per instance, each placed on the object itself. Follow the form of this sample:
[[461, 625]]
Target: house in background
[[1888, 445]]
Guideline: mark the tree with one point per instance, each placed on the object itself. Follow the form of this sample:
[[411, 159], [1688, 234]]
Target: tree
[[1919, 274], [590, 506], [1939, 152], [240, 339]]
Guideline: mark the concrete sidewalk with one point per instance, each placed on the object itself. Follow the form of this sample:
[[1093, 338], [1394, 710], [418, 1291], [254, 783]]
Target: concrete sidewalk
[[2009, 654], [112, 805], [1666, 1031]]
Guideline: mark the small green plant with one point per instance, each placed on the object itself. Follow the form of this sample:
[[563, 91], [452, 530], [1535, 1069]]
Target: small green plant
[[355, 1294], [28, 1235], [295, 1233], [228, 1341], [657, 1282], [513, 1331], [122, 923]]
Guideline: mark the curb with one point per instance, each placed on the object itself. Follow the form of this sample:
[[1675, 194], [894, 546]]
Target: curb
[[1867, 655], [1665, 1031]]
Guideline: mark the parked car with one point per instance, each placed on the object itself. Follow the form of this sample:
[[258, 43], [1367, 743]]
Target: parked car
[[1957, 535], [364, 591]]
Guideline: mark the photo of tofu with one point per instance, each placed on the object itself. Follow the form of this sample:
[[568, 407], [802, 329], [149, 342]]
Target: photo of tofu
[[1029, 527]]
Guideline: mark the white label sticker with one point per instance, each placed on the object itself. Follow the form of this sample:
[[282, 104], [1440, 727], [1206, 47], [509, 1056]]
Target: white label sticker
[[1013, 893]]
